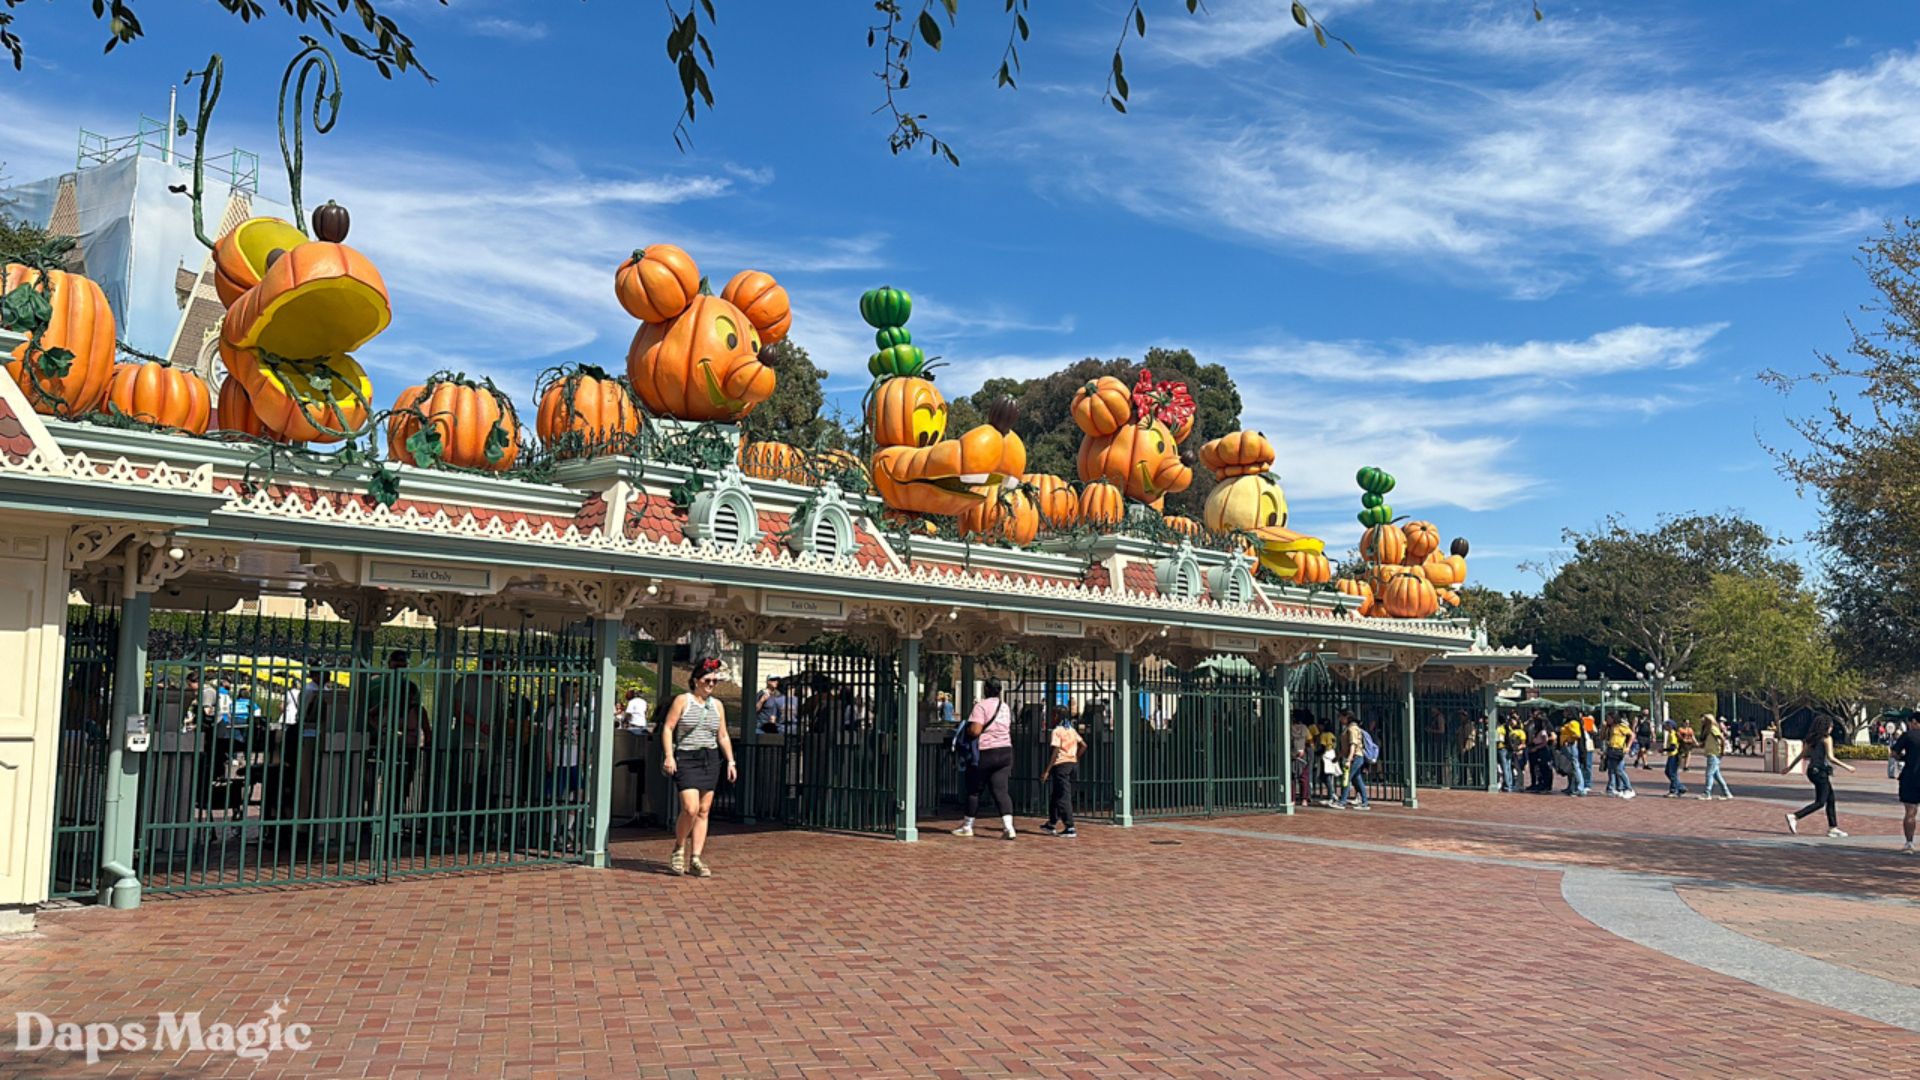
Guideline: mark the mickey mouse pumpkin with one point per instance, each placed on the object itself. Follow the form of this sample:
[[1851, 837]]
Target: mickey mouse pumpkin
[[1132, 440], [698, 356]]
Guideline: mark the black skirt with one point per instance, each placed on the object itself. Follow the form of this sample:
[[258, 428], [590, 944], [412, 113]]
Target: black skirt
[[699, 770]]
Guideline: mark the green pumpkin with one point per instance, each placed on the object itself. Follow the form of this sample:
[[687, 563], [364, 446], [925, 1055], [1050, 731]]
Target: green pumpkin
[[889, 336], [1370, 500], [1376, 515], [885, 307], [1374, 480], [897, 360]]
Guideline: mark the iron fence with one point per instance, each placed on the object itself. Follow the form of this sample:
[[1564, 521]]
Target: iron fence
[[1209, 740], [86, 720], [1320, 695]]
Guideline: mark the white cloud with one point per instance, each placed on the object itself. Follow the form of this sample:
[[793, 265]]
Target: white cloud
[[1235, 29], [510, 29], [1858, 126], [1625, 348]]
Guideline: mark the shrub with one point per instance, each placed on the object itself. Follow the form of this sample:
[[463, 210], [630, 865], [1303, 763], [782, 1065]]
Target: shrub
[[1861, 751]]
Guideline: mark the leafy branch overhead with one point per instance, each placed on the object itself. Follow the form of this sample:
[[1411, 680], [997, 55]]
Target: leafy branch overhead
[[385, 45]]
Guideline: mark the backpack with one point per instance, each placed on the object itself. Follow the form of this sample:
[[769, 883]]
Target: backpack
[[962, 747], [1563, 761], [1369, 749]]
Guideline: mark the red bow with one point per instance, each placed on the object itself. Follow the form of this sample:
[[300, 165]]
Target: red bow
[[1167, 402]]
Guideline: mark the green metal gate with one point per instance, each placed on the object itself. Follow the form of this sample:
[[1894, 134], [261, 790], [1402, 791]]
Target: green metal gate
[[1321, 694], [79, 783], [1208, 740], [299, 750], [832, 762], [1451, 734], [1041, 695]]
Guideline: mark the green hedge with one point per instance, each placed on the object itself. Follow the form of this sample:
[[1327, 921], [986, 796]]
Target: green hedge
[[1861, 751]]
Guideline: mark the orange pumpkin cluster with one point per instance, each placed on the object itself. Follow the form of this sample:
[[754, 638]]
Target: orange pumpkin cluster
[[1407, 575], [1130, 447]]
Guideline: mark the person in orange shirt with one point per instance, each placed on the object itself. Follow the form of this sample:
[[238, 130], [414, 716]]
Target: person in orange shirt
[[1058, 776]]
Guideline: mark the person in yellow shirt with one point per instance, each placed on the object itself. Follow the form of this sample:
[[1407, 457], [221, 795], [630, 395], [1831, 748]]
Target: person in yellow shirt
[[1619, 745], [1511, 740], [1578, 745]]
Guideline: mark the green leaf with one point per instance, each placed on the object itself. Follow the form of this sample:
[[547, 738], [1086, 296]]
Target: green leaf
[[1120, 84], [424, 446], [498, 439], [24, 310], [383, 485], [1020, 24], [953, 8], [56, 362], [1118, 64], [1320, 36], [1140, 22], [1300, 14], [929, 29], [1115, 102]]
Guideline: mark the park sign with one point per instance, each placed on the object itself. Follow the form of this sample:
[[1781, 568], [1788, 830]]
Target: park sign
[[805, 606], [426, 576]]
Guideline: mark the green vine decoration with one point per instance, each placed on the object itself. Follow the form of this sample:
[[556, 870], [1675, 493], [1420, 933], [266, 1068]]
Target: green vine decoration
[[211, 78], [28, 309], [310, 61]]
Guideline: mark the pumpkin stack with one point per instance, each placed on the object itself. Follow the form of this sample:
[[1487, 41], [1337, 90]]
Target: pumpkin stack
[[915, 467], [1247, 500], [1407, 577], [1131, 439], [296, 309]]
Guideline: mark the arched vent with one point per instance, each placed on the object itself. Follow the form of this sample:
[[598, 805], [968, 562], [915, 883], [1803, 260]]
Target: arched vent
[[1231, 584], [726, 525], [723, 516], [822, 526], [826, 538], [1178, 575]]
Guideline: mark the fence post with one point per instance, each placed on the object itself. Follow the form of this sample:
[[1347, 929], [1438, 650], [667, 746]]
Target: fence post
[[658, 791], [966, 686], [1412, 798], [122, 796], [744, 756], [906, 745], [606, 654], [1488, 695], [1286, 738], [1123, 739]]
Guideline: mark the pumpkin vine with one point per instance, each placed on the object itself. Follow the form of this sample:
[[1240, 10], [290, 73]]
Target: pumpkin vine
[[310, 61]]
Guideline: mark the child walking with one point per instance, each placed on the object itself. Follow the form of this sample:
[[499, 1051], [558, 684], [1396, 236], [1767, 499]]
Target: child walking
[[1058, 776]]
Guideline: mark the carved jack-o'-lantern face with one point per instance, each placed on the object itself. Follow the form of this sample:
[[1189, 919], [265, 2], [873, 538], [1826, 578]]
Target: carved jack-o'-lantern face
[[907, 412], [703, 364], [947, 477]]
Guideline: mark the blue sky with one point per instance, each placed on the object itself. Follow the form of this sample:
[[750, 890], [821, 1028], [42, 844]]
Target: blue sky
[[1532, 269]]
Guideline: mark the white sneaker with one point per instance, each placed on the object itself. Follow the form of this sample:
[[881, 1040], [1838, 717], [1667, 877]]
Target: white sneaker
[[1628, 794], [1006, 834], [964, 830], [1793, 825], [1837, 834], [1704, 798], [1908, 850]]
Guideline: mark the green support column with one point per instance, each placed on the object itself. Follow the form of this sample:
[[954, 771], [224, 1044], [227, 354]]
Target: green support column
[[658, 791], [743, 754], [118, 886], [1123, 739], [1488, 694], [966, 686], [606, 654], [1412, 798], [1286, 738], [906, 746]]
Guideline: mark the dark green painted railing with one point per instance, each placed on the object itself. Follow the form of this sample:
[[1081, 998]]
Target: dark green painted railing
[[86, 713], [1209, 741]]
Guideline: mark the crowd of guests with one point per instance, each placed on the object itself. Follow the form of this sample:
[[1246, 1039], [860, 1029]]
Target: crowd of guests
[[1537, 749]]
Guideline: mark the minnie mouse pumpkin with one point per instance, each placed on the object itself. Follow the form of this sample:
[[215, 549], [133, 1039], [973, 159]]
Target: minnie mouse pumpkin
[[698, 356], [1132, 440]]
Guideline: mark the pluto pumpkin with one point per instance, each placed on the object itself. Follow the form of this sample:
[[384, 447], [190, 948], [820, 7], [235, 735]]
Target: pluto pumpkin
[[696, 356], [80, 322], [1141, 453], [1248, 499]]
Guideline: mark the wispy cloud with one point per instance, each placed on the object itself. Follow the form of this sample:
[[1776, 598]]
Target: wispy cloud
[[1625, 348], [1858, 126], [509, 29]]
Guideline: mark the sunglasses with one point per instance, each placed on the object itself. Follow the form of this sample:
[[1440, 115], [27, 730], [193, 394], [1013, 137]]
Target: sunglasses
[[709, 680]]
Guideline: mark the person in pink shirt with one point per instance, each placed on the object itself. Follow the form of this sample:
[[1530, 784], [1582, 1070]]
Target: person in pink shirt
[[990, 725]]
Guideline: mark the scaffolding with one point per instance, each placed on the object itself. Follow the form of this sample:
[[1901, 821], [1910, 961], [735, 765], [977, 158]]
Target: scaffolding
[[237, 168]]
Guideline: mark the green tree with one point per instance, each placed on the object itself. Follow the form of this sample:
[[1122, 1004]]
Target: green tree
[[1511, 619], [1768, 638], [389, 48], [1053, 440], [1632, 593], [1860, 454], [792, 414]]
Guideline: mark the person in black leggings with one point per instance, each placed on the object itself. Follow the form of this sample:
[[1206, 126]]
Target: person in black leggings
[[990, 726], [1817, 752]]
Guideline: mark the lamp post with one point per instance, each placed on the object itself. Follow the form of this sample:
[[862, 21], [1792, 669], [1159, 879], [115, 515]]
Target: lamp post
[[1656, 700]]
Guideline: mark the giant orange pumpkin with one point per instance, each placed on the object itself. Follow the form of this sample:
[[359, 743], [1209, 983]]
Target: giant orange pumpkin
[[584, 410], [1002, 515], [1102, 406], [235, 412], [160, 394], [657, 283], [82, 324], [762, 301], [1356, 587], [1383, 544], [474, 421], [1237, 453], [321, 401], [701, 365], [1441, 570], [240, 258], [1142, 459], [317, 299], [1056, 501], [1311, 568], [1422, 540], [1102, 504], [907, 411], [772, 460], [1408, 596]]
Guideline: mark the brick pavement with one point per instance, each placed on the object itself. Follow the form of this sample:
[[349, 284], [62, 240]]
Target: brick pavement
[[1146, 951], [1879, 939]]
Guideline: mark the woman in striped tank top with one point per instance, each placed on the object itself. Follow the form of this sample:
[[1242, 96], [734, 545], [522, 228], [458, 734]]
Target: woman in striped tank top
[[694, 743]]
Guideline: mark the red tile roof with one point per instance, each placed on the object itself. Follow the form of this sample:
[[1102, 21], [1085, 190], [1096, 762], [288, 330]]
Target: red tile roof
[[656, 518], [1139, 578], [15, 443], [1099, 577], [484, 515], [593, 514]]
